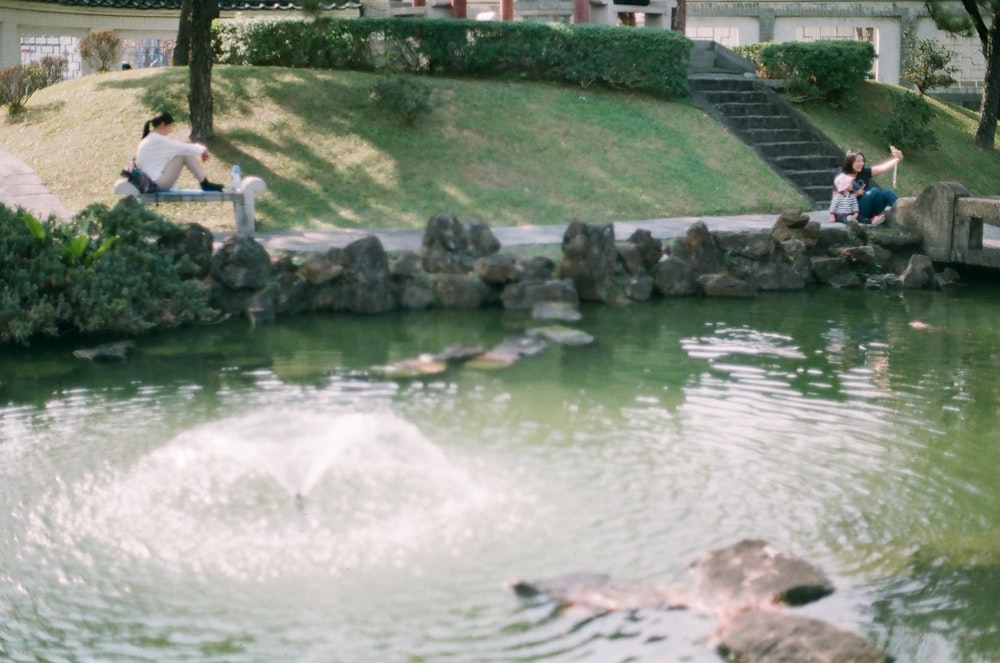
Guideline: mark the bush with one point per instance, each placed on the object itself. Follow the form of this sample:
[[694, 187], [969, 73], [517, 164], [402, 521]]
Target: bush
[[101, 49], [55, 68], [111, 270], [17, 84], [907, 127], [405, 97], [926, 64], [652, 61], [819, 70]]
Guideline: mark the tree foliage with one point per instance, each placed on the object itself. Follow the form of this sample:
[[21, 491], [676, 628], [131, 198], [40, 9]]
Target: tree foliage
[[101, 49], [926, 63], [980, 18]]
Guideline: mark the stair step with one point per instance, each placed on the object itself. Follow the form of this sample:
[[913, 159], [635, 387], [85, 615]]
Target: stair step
[[722, 83], [757, 136], [730, 96], [822, 177], [796, 162], [782, 148], [756, 122], [739, 108]]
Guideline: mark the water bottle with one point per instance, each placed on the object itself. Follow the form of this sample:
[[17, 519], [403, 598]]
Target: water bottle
[[235, 179]]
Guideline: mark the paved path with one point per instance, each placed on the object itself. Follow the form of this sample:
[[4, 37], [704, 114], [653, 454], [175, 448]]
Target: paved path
[[19, 185]]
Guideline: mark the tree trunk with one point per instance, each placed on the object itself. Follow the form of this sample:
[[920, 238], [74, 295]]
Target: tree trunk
[[986, 133], [182, 49], [200, 96]]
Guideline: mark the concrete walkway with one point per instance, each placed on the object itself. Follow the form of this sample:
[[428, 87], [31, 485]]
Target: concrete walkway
[[19, 185]]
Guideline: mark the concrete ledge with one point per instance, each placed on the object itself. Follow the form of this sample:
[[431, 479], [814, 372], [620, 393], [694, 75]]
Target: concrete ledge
[[244, 214]]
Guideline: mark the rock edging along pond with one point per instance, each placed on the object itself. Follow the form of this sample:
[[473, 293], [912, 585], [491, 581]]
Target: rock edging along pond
[[462, 265]]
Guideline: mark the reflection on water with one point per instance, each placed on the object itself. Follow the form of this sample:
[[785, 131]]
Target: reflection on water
[[242, 495]]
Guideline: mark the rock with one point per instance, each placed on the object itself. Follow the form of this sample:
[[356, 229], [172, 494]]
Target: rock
[[320, 268], [630, 258], [777, 276], [509, 351], [460, 291], [768, 637], [563, 311], [497, 269], [406, 264], [525, 296], [750, 574], [651, 250], [756, 245], [115, 351], [410, 368], [535, 268], [594, 591], [836, 272], [241, 264], [589, 260], [561, 335], [726, 285], [639, 288], [414, 294], [946, 278], [794, 224], [364, 286], [919, 273], [293, 294], [699, 249], [451, 246], [863, 256], [883, 282], [673, 277]]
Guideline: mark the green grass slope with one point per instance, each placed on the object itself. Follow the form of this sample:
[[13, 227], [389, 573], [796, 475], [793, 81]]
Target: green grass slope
[[506, 153]]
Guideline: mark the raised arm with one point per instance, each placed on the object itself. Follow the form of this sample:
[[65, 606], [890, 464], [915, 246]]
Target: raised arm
[[888, 164]]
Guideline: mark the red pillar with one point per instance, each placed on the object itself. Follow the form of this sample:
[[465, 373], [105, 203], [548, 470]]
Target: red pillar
[[581, 11], [506, 10], [458, 9]]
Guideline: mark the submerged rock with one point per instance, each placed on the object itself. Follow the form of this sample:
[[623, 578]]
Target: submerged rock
[[107, 352], [770, 637], [595, 592]]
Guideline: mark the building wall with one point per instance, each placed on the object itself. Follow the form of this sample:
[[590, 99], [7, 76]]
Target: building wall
[[736, 23]]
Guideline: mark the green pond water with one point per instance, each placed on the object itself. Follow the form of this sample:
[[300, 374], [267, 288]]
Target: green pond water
[[148, 508]]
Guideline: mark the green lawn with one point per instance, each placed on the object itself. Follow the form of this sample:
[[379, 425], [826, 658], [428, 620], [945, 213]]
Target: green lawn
[[505, 153]]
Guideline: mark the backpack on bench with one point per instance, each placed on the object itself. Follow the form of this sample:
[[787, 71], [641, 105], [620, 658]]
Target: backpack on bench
[[140, 180]]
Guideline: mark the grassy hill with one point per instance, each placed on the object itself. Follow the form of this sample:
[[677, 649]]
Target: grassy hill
[[506, 153]]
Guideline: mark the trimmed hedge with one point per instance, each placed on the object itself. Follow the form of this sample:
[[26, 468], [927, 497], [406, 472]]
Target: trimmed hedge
[[814, 70], [651, 61]]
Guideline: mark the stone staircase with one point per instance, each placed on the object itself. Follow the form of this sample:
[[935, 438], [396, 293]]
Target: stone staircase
[[724, 85]]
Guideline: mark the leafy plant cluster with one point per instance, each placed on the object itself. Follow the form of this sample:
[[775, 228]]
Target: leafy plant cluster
[[823, 70], [907, 125], [405, 97], [926, 64], [652, 61], [116, 270], [17, 84], [101, 49]]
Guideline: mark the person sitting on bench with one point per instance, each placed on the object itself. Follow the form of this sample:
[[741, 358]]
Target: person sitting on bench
[[163, 158]]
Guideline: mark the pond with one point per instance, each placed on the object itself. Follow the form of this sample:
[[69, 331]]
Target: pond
[[233, 494]]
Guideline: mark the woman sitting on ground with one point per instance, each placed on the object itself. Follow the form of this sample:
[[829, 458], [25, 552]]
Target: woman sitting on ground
[[162, 157], [872, 201]]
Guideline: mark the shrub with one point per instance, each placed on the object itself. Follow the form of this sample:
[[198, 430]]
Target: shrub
[[17, 84], [652, 61], [110, 270], [101, 49], [906, 127], [405, 97], [55, 68], [819, 70], [926, 64]]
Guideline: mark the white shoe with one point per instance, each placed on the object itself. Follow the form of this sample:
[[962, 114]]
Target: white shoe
[[878, 219]]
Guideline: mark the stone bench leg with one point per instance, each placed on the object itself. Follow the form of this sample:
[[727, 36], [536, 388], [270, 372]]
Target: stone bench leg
[[245, 210]]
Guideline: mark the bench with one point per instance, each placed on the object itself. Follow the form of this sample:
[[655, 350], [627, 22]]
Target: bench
[[243, 200]]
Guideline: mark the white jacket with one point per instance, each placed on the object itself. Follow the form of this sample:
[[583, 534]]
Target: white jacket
[[156, 150]]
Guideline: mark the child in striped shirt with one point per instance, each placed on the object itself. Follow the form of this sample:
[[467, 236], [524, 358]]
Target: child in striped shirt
[[844, 205]]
